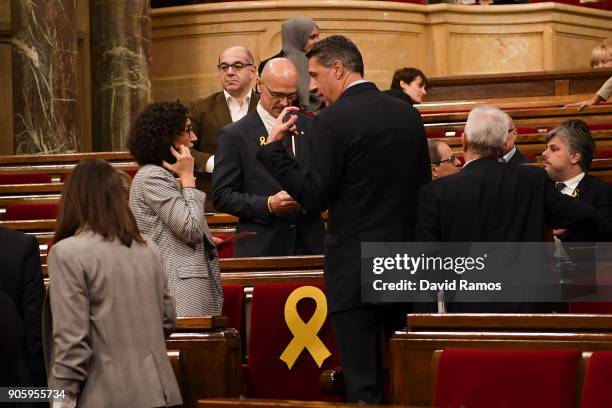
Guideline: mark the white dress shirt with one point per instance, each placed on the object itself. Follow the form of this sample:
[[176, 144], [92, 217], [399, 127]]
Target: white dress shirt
[[237, 112], [509, 155], [569, 189], [268, 121]]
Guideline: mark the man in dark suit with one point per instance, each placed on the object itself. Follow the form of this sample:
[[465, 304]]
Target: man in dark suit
[[491, 201], [244, 188], [21, 280], [368, 157], [567, 160], [511, 153], [236, 74]]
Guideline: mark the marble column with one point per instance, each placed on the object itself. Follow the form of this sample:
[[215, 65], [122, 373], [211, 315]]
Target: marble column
[[45, 79], [120, 64]]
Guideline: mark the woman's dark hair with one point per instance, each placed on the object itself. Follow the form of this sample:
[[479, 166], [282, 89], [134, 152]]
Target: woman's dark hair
[[407, 75], [153, 131], [94, 198]]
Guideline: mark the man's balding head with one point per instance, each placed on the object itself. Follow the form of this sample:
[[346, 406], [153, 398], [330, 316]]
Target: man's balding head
[[236, 70], [278, 85]]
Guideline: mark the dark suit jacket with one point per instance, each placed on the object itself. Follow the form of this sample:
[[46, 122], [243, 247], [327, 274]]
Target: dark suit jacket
[[489, 201], [21, 280], [598, 193], [242, 187], [399, 94], [519, 158], [212, 114], [368, 159]]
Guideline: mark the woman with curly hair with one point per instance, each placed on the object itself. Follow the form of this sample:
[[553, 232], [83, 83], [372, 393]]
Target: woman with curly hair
[[170, 211]]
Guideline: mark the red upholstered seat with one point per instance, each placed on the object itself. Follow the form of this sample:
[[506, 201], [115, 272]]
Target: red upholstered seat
[[267, 375], [24, 178], [31, 211], [591, 307], [233, 305], [507, 378], [597, 380]]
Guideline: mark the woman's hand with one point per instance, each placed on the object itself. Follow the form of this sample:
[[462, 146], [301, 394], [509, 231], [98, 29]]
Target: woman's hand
[[183, 167]]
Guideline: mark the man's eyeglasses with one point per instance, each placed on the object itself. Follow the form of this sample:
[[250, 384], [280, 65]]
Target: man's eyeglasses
[[451, 160], [237, 66], [290, 97], [511, 130]]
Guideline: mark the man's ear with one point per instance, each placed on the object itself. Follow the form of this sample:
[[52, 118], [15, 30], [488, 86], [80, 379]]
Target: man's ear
[[258, 83], [575, 157], [338, 69], [403, 85], [464, 141], [434, 172]]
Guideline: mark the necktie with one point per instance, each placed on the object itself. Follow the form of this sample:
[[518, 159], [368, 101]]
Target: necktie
[[560, 186]]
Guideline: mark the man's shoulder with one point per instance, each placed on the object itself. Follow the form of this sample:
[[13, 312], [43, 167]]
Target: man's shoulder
[[242, 125], [212, 100], [595, 185]]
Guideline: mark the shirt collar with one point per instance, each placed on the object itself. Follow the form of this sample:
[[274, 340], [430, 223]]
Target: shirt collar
[[246, 99], [266, 117], [509, 155], [357, 82], [572, 183]]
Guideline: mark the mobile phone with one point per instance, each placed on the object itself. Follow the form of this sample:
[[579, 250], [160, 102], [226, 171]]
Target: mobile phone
[[288, 116]]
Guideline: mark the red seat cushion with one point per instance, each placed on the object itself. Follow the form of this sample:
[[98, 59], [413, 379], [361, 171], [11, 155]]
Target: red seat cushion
[[596, 392], [505, 378], [269, 377], [591, 307], [24, 178], [31, 211], [233, 304]]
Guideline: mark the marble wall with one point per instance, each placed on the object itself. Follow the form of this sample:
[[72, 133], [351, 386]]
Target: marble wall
[[44, 77], [120, 59]]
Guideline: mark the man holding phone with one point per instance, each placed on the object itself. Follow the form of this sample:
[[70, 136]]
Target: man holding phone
[[242, 186]]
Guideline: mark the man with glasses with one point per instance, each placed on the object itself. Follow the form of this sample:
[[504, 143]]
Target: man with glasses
[[244, 188], [511, 153], [443, 161], [236, 74]]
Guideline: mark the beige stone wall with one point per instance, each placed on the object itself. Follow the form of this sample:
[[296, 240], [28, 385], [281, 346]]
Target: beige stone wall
[[441, 39]]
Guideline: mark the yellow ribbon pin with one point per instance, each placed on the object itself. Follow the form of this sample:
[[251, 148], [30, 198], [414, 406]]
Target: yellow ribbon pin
[[305, 335], [262, 140]]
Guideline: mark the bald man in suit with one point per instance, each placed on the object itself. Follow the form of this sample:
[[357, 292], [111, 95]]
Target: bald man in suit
[[236, 74]]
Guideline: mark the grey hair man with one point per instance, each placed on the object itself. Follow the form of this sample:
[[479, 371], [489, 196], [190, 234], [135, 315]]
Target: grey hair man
[[511, 153], [567, 160], [492, 201]]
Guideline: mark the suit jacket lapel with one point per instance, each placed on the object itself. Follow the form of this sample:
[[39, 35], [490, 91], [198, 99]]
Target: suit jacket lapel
[[258, 129], [221, 111]]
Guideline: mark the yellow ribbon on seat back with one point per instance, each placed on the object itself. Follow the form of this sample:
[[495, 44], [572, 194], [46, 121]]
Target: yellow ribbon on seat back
[[305, 335]]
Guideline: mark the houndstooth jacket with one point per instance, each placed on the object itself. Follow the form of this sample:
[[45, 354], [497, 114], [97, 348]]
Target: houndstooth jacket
[[173, 218]]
